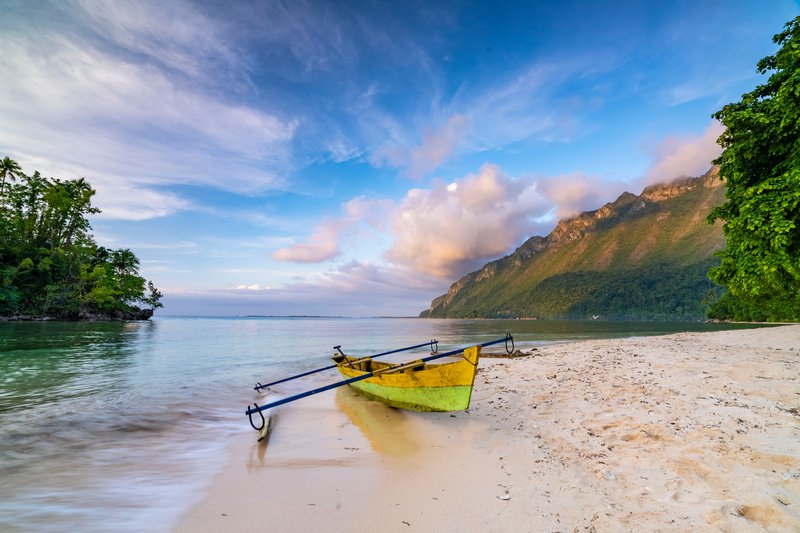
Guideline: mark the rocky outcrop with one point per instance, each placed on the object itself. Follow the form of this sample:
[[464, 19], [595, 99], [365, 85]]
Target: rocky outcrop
[[138, 314], [133, 313]]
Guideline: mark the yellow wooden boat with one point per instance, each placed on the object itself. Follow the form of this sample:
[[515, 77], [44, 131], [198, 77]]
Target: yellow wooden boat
[[417, 385]]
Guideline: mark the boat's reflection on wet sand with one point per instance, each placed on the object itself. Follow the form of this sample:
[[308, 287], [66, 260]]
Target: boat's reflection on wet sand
[[385, 428]]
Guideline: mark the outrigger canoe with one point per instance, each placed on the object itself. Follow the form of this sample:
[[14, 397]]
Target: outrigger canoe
[[417, 385]]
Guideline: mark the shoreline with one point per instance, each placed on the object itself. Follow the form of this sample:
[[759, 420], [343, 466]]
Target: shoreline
[[689, 431], [141, 316]]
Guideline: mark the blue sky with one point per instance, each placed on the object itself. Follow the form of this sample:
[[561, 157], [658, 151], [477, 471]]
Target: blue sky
[[356, 158]]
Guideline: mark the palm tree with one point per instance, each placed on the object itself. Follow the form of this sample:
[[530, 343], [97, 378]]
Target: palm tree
[[125, 261], [10, 168]]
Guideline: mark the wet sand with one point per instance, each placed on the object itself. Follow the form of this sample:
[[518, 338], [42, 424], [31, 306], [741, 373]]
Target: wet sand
[[685, 432]]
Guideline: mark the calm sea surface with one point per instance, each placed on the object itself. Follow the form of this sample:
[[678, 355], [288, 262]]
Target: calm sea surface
[[121, 426]]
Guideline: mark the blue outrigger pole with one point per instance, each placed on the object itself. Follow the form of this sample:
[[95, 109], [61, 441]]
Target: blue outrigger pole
[[258, 408], [433, 343]]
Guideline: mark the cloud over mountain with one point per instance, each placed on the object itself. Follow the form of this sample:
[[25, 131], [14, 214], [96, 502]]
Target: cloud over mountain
[[445, 229]]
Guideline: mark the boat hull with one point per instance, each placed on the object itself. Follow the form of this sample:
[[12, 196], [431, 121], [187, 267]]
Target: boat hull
[[418, 387]]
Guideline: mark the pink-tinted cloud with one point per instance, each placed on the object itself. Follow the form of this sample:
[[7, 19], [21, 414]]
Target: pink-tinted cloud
[[675, 157], [323, 244], [369, 210], [688, 155], [436, 147], [572, 194], [446, 230], [449, 229]]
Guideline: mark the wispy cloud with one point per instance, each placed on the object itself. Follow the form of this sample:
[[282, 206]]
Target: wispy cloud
[[532, 103], [144, 111], [183, 246], [158, 94], [252, 287], [515, 109], [95, 96], [129, 202], [536, 102], [352, 289], [174, 35]]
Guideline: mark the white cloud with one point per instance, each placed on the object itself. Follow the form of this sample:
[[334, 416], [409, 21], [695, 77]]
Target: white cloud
[[451, 228], [252, 287]]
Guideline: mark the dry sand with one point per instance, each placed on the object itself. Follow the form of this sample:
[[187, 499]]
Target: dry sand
[[686, 432]]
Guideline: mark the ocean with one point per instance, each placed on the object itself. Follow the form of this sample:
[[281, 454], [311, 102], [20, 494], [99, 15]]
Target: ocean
[[122, 425]]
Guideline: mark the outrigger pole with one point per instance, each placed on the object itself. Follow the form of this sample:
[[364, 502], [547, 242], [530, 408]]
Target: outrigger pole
[[258, 408], [434, 344]]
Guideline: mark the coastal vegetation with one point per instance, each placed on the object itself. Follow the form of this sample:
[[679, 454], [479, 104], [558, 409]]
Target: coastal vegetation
[[760, 265], [50, 264]]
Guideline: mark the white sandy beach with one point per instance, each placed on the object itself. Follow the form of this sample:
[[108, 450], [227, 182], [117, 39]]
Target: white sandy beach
[[685, 432]]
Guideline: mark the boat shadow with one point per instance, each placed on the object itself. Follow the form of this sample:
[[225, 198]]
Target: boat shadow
[[388, 430]]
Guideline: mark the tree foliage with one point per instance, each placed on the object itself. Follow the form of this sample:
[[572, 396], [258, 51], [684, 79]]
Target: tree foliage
[[654, 292], [760, 266], [49, 262]]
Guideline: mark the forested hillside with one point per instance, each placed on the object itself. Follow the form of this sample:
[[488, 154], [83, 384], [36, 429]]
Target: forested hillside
[[50, 264], [639, 257]]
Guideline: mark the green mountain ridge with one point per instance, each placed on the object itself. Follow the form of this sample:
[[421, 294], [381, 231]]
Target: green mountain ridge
[[640, 257]]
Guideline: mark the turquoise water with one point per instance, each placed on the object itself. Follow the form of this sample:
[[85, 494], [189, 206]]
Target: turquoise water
[[121, 426]]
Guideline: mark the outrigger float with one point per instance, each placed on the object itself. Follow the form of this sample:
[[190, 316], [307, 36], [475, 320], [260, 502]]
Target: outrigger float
[[415, 385]]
